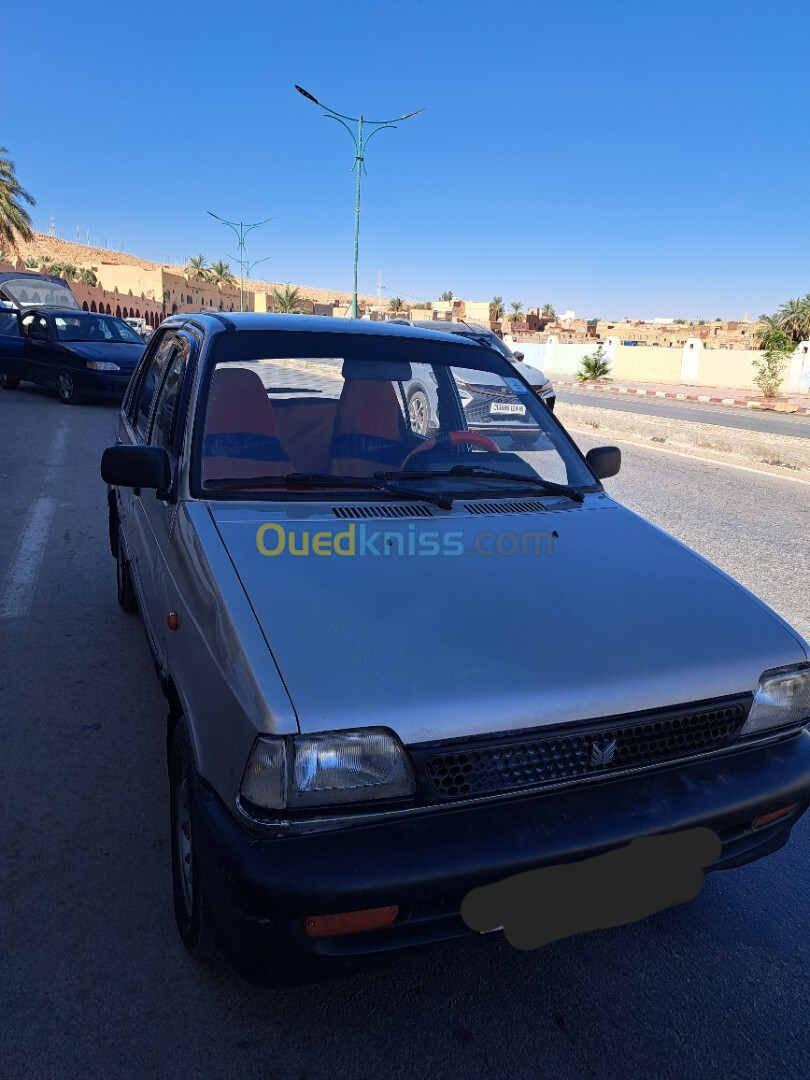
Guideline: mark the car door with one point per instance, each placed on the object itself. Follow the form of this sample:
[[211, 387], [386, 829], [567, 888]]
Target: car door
[[160, 512], [12, 344], [136, 528], [40, 348]]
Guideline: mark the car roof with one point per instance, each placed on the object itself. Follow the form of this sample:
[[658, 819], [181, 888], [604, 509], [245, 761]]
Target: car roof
[[44, 309], [458, 327], [9, 275], [314, 324]]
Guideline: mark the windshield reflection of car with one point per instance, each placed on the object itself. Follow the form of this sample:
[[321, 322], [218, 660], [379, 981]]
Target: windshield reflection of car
[[102, 328], [273, 424]]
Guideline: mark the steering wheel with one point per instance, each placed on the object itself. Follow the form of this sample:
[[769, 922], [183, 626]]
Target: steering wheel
[[454, 438]]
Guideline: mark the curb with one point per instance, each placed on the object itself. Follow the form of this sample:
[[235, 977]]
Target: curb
[[743, 403], [784, 452]]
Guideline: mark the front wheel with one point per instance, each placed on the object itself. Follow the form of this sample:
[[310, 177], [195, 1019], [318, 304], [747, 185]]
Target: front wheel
[[419, 412], [66, 387], [9, 382], [194, 923]]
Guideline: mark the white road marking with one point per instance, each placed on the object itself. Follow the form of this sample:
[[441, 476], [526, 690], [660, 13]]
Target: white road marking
[[695, 457], [20, 580]]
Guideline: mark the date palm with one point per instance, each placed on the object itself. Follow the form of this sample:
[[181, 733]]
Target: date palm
[[395, 304], [549, 312], [219, 273], [496, 308], [289, 301], [516, 314], [195, 266], [15, 221]]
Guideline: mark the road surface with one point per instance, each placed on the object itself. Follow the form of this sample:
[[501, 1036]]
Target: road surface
[[93, 980]]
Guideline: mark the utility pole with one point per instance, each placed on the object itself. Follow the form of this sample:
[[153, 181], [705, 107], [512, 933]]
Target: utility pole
[[240, 230], [360, 143]]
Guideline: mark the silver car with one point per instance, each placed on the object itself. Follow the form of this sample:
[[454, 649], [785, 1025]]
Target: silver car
[[374, 742]]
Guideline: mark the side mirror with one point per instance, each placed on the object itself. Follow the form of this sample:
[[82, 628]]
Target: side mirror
[[605, 461], [136, 467], [519, 356]]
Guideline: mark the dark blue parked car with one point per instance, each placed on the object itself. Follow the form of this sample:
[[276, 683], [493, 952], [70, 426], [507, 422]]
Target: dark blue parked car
[[75, 351]]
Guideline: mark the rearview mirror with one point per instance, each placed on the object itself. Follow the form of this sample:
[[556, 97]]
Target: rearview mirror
[[605, 461], [136, 467], [519, 356]]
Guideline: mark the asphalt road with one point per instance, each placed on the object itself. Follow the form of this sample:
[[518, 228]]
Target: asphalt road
[[93, 981], [795, 424]]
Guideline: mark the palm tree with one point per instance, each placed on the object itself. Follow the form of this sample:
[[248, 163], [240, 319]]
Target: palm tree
[[794, 318], [496, 308], [289, 301], [87, 277], [516, 314], [549, 312], [220, 273], [15, 221], [395, 304], [31, 264], [195, 266], [770, 325]]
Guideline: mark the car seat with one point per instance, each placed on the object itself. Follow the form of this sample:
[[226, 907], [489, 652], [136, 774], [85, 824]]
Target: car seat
[[240, 429]]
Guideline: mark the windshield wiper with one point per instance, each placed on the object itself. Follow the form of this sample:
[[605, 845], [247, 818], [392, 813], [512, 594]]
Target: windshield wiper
[[494, 474], [378, 483]]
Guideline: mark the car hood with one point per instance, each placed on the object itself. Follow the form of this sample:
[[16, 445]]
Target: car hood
[[123, 354], [533, 376], [618, 617]]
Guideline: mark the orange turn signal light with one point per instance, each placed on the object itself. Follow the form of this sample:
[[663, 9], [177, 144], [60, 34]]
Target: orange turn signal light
[[768, 819], [350, 922]]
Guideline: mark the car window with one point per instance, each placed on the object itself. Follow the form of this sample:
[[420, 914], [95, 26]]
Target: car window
[[150, 384], [163, 425], [37, 327], [9, 324], [450, 413], [101, 328]]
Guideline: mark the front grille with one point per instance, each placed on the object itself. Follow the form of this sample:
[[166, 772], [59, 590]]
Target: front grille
[[490, 765]]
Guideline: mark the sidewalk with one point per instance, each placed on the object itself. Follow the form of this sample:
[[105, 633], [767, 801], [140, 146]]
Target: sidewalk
[[715, 395]]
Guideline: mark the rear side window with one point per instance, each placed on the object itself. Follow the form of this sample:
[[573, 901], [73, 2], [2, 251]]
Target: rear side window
[[150, 383], [166, 419]]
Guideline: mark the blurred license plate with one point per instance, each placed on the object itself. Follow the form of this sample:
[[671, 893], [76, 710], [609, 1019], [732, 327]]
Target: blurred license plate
[[504, 408]]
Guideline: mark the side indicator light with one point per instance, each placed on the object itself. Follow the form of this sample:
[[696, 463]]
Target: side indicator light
[[350, 922], [775, 815]]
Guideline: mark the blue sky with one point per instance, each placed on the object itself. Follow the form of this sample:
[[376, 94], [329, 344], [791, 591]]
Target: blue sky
[[619, 157]]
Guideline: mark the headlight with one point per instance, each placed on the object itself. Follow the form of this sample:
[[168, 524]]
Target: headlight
[[782, 700], [102, 365], [319, 770]]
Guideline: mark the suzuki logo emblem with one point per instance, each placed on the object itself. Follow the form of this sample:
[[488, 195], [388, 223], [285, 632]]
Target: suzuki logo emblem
[[603, 755]]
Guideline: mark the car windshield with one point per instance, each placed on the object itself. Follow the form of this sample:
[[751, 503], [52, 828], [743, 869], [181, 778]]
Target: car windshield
[[104, 328], [38, 292], [349, 410]]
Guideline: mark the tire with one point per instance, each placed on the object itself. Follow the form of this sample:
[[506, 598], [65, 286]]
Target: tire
[[419, 412], [191, 912], [112, 525], [66, 388], [9, 382], [125, 588]]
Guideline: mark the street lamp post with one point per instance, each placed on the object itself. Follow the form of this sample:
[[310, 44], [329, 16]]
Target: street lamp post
[[360, 142], [241, 230]]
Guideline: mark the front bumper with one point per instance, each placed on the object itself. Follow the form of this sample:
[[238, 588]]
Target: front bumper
[[261, 889], [101, 382]]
